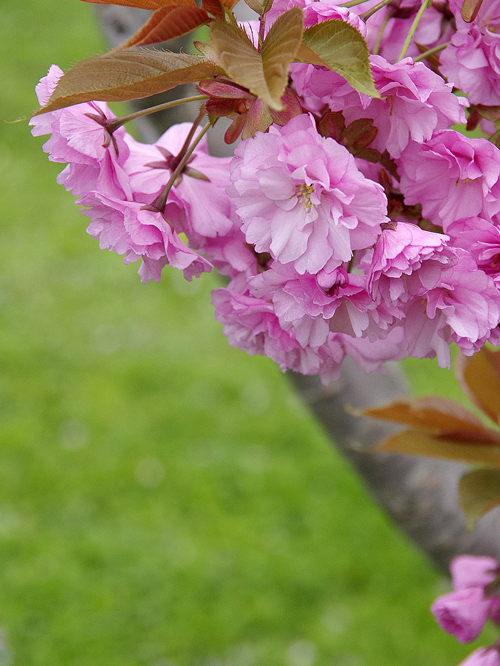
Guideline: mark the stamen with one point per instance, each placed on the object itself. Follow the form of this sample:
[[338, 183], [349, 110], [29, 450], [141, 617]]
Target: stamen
[[304, 195]]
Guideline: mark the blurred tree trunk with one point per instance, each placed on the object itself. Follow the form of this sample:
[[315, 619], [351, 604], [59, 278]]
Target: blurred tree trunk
[[419, 494]]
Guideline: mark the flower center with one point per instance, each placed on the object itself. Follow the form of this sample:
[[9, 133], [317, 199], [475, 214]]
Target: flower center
[[304, 195]]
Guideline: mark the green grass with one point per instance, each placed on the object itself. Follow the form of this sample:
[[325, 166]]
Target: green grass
[[165, 500]]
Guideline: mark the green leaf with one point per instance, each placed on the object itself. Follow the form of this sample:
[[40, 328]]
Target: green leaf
[[168, 23], [479, 377], [414, 443], [125, 75], [479, 492], [438, 417], [340, 47]]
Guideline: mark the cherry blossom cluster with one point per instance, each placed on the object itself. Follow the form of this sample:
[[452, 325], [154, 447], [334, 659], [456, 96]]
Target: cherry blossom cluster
[[357, 226], [475, 599]]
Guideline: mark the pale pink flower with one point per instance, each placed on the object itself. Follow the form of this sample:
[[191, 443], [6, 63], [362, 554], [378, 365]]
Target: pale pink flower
[[128, 228], [79, 137], [196, 206], [251, 324], [316, 11], [415, 102], [465, 305], [408, 262], [472, 61], [452, 177], [301, 197], [462, 613], [433, 29]]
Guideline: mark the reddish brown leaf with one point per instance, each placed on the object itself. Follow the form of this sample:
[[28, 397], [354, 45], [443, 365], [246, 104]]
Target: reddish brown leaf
[[168, 23], [229, 4], [221, 88], [438, 417], [213, 7], [479, 492], [411, 442], [479, 377], [125, 75]]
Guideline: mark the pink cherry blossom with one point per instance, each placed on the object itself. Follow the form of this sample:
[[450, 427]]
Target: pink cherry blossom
[[483, 656], [79, 136], [452, 177], [316, 11], [415, 102], [389, 26], [473, 570], [301, 197], [408, 262], [462, 613], [129, 228], [251, 324], [472, 61], [204, 179]]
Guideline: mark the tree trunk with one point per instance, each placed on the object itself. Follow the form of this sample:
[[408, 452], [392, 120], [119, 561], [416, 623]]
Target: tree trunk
[[419, 494]]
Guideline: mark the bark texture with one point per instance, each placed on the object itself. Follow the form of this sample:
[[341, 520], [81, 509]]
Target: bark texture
[[419, 494]]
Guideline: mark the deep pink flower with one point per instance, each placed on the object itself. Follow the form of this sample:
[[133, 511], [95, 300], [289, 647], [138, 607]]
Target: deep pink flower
[[465, 305], [300, 303], [301, 197], [462, 613], [452, 177]]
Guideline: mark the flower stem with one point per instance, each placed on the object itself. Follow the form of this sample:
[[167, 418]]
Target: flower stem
[[414, 25], [118, 122], [353, 3], [160, 202], [180, 155], [371, 12], [383, 26], [432, 51]]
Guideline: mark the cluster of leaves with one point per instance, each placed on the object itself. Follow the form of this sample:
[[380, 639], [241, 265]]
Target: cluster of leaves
[[242, 81], [442, 428]]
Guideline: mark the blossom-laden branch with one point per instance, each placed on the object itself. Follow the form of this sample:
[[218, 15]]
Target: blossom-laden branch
[[353, 219]]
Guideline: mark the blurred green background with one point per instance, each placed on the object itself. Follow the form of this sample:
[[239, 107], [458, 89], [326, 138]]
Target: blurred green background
[[165, 500]]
